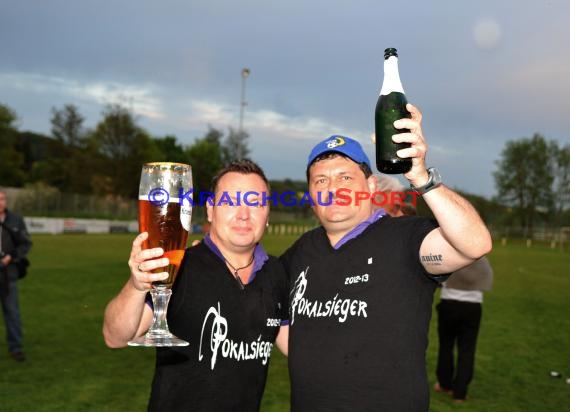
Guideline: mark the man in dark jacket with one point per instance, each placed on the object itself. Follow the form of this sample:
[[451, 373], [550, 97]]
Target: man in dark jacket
[[15, 244]]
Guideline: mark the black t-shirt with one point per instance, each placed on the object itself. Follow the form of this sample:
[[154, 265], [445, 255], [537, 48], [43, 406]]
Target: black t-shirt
[[231, 333], [359, 319]]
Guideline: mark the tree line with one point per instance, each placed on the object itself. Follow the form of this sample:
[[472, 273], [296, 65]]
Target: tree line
[[533, 180], [105, 160], [532, 175]]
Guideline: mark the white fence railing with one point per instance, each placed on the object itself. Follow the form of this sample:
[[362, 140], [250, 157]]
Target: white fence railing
[[72, 225], [55, 226]]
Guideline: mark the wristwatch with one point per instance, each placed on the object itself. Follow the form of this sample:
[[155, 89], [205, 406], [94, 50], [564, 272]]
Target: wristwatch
[[433, 182]]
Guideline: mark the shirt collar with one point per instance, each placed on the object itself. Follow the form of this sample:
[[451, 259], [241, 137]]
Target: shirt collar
[[259, 255], [361, 227]]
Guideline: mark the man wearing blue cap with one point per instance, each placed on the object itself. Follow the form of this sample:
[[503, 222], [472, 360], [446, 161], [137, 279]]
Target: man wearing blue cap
[[362, 284]]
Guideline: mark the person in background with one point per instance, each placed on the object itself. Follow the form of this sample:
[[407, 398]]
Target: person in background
[[389, 184], [15, 243], [458, 320], [408, 210]]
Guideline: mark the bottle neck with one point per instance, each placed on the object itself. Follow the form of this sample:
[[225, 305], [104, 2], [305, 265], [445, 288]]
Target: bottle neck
[[391, 81]]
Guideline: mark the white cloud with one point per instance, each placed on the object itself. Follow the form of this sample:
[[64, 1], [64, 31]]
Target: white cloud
[[205, 112], [265, 122], [144, 100], [141, 99]]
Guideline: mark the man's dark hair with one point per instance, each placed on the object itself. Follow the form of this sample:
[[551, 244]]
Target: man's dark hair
[[244, 167], [330, 155]]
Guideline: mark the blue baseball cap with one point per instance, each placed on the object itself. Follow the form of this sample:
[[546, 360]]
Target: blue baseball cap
[[340, 144]]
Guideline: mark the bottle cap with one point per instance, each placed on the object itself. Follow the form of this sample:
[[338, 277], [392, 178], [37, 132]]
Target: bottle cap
[[390, 52]]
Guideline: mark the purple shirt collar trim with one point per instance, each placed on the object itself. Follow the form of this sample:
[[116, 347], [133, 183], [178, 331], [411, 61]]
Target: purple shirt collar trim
[[361, 227], [259, 255]]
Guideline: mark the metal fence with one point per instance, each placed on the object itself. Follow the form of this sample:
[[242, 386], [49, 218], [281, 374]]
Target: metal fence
[[48, 201]]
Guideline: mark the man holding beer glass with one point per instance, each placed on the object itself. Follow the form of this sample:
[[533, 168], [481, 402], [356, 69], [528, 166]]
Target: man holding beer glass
[[229, 301]]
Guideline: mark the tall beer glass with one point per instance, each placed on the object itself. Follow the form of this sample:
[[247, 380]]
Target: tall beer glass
[[165, 215]]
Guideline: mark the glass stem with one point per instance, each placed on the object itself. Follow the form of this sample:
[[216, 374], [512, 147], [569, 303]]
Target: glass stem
[[160, 297]]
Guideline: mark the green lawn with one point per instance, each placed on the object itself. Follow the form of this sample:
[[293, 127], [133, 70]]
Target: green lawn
[[525, 334]]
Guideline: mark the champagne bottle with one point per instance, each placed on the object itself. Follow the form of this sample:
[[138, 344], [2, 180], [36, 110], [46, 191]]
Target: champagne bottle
[[390, 107]]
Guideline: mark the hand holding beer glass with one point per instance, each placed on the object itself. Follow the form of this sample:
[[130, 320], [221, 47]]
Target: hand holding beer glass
[[166, 217]]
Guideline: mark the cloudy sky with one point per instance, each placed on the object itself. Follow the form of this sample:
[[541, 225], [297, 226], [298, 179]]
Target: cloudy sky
[[482, 72]]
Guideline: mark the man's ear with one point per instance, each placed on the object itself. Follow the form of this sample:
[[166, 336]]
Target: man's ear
[[371, 183], [210, 208]]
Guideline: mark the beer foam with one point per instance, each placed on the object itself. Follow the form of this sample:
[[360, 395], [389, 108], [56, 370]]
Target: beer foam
[[170, 199]]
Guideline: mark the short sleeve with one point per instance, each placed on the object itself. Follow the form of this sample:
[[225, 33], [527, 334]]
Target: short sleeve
[[417, 228]]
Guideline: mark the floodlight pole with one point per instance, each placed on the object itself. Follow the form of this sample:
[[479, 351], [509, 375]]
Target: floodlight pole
[[244, 74]]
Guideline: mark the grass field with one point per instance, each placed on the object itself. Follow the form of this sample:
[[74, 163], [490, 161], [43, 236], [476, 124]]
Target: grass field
[[525, 334]]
